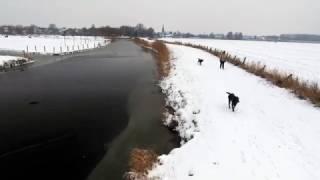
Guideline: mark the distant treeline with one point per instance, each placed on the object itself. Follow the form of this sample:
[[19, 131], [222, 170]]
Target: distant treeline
[[229, 35], [299, 37], [141, 31], [52, 29]]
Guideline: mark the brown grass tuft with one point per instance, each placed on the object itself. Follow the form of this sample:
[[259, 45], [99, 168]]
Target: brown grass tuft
[[141, 161]]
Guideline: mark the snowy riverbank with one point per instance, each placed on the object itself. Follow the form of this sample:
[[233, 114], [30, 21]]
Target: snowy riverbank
[[272, 134], [8, 60]]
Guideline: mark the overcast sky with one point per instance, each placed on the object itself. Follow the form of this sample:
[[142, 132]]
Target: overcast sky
[[196, 16]]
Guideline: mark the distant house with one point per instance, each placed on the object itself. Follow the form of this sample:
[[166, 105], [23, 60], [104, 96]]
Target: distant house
[[24, 32], [249, 37], [271, 38], [6, 29], [300, 37], [219, 36]]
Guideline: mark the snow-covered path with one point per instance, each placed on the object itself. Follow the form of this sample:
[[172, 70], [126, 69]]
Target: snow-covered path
[[272, 135], [301, 59]]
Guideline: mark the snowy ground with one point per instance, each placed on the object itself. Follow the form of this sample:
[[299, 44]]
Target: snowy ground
[[272, 135], [4, 59], [301, 59], [147, 39], [50, 44]]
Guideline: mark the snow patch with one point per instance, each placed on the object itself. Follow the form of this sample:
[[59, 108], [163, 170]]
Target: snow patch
[[9, 59], [51, 44]]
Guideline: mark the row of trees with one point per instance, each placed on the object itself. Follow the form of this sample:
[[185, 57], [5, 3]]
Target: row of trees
[[235, 36], [229, 35], [131, 31], [139, 30], [52, 29]]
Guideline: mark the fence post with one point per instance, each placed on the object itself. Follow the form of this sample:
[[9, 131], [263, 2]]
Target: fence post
[[289, 77], [244, 60]]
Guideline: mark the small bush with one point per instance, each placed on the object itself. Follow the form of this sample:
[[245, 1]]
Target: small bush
[[141, 161]]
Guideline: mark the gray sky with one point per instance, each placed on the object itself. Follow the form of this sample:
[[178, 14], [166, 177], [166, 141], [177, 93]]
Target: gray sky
[[196, 16]]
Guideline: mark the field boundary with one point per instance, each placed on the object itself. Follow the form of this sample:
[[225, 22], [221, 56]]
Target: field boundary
[[303, 89]]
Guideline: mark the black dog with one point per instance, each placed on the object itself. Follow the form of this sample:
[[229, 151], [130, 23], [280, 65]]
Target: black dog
[[233, 100], [200, 61]]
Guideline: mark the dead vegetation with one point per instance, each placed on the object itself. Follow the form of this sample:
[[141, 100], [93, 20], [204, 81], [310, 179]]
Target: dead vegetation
[[141, 161], [141, 42], [301, 88], [161, 52], [163, 57]]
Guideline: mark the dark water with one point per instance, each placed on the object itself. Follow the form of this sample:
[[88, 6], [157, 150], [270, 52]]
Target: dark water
[[79, 116]]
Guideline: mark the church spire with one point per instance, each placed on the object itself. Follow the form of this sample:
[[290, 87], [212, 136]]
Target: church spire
[[163, 33]]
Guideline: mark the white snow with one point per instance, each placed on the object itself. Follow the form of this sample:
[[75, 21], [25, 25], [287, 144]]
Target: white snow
[[50, 44], [149, 40], [301, 59], [4, 59], [271, 136]]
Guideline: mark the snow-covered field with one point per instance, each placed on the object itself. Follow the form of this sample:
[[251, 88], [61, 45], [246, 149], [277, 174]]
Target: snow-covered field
[[272, 135], [301, 59], [50, 44]]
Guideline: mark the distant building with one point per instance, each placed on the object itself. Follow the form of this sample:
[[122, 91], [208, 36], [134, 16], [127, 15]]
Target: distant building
[[219, 36], [6, 29], [300, 37], [271, 38], [249, 37]]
